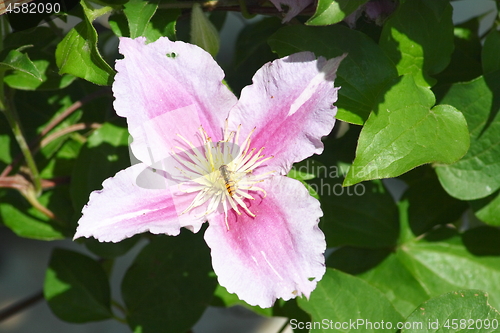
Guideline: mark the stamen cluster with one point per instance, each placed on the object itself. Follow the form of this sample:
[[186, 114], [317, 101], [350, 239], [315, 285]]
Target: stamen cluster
[[221, 172]]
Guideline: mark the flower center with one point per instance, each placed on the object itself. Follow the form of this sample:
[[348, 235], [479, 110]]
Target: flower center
[[221, 172]]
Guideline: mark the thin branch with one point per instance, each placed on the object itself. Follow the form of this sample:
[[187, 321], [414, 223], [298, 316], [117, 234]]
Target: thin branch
[[233, 6], [75, 106], [13, 309], [67, 130], [15, 125], [17, 182], [56, 121]]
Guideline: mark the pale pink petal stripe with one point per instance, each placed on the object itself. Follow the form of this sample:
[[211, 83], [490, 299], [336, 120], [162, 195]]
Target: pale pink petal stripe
[[291, 105], [277, 254]]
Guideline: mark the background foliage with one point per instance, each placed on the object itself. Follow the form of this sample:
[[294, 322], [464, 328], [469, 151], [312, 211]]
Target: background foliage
[[419, 104]]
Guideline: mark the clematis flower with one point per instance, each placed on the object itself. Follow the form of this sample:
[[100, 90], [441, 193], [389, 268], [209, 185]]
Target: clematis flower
[[207, 156]]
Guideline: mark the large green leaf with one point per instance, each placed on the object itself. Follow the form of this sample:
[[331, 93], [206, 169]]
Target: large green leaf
[[445, 266], [169, 285], [398, 284], [404, 132], [419, 39], [457, 311], [362, 75], [77, 53], [342, 302], [76, 288], [333, 11], [476, 174]]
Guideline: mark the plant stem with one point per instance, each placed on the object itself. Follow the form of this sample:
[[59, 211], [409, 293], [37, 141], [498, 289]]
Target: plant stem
[[15, 124], [21, 305], [67, 130]]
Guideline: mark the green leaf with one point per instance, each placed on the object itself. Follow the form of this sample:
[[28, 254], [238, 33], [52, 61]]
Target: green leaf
[[397, 283], [457, 311], [50, 80], [5, 153], [430, 205], [77, 288], [488, 209], [138, 14], [403, 133], [77, 53], [482, 241], [305, 170], [333, 11], [363, 215], [467, 51], [443, 266], [342, 298], [491, 50], [362, 75], [43, 40], [104, 154], [419, 39], [423, 268], [476, 174], [356, 260], [203, 32], [118, 24], [16, 60], [108, 250], [60, 158], [25, 221], [145, 19], [169, 285], [162, 24], [223, 298]]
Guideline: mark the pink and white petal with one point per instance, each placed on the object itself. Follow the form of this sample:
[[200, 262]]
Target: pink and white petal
[[277, 254], [173, 79], [294, 7], [134, 201], [290, 103]]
